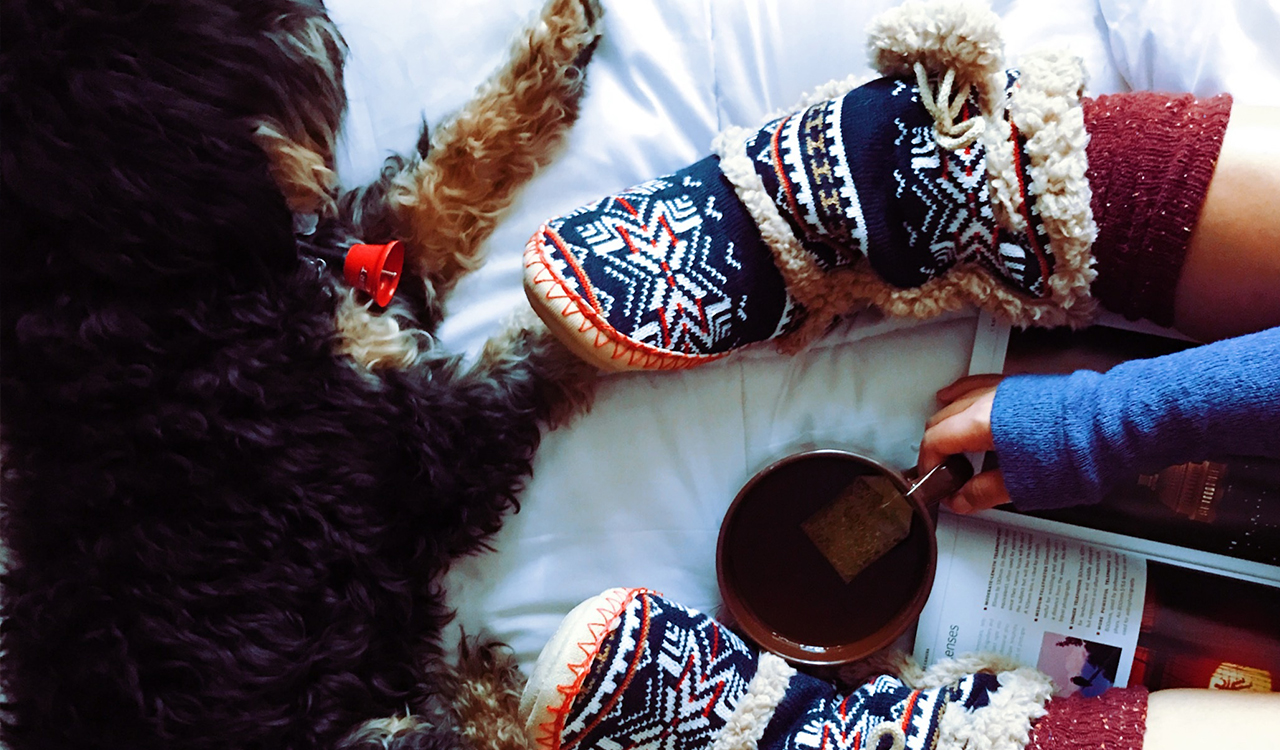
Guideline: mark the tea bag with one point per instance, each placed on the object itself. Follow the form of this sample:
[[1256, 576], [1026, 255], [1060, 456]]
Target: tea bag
[[866, 520]]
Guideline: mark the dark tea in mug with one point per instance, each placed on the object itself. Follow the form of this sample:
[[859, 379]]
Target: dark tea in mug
[[790, 592]]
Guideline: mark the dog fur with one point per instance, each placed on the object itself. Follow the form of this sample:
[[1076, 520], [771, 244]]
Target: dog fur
[[230, 488]]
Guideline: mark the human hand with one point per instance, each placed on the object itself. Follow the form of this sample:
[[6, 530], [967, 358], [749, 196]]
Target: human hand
[[963, 425]]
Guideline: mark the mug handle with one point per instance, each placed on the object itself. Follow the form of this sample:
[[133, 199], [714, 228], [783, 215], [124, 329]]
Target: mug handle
[[942, 480]]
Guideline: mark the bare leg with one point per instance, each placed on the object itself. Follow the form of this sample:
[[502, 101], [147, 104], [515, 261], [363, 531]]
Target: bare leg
[[1230, 283], [1230, 286], [1211, 718]]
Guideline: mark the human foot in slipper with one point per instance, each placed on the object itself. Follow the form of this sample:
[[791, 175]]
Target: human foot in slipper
[[949, 183]]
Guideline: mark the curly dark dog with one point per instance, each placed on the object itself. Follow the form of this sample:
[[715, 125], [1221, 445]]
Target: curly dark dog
[[230, 486]]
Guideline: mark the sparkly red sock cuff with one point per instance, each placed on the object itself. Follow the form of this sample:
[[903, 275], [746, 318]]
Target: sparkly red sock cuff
[[1116, 720], [1151, 157]]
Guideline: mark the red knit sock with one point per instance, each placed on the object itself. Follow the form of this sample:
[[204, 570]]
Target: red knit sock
[[1115, 720], [1151, 157]]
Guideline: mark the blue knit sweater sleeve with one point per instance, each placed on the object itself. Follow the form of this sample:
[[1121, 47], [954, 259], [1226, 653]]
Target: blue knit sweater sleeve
[[1068, 439]]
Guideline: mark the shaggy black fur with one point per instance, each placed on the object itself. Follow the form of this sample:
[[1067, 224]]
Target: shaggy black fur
[[221, 534]]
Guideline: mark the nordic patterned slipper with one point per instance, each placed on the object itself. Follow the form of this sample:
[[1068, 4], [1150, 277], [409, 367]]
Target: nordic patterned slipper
[[666, 275], [629, 666], [949, 183], [631, 670]]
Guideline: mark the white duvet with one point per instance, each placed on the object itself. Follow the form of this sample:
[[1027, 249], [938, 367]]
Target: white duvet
[[632, 494]]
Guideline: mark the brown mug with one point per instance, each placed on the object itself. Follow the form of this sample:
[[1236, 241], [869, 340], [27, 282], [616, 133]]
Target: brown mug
[[784, 593]]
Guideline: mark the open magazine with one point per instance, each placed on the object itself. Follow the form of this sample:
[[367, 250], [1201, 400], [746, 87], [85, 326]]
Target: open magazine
[[1172, 581]]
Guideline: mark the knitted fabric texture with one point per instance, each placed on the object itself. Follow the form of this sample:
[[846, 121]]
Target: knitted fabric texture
[[650, 674], [1068, 439], [1115, 720], [1033, 148], [674, 272], [881, 713], [947, 184], [675, 267], [666, 677], [1151, 158], [864, 175]]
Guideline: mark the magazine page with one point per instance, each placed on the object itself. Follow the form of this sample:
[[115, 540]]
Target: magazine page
[[1071, 609], [1145, 545], [1228, 506], [1093, 616], [990, 345], [1207, 631]]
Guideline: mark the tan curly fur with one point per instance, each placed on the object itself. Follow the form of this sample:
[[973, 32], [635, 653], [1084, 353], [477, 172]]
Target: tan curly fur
[[300, 134], [450, 203], [570, 380], [484, 684], [375, 340], [299, 167], [445, 206], [487, 698]]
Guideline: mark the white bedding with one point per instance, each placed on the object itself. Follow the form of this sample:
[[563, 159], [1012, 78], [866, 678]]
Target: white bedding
[[632, 494]]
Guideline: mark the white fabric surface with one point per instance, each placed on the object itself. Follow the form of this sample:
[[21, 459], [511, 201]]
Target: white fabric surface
[[633, 493]]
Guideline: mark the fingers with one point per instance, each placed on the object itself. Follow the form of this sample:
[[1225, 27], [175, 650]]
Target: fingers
[[984, 491], [963, 425], [967, 430], [953, 408], [967, 385]]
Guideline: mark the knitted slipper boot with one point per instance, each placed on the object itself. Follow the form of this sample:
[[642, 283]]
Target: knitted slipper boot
[[630, 670], [665, 275], [925, 191]]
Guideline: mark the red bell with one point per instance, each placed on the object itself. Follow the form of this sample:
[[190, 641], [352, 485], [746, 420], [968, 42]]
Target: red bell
[[375, 269]]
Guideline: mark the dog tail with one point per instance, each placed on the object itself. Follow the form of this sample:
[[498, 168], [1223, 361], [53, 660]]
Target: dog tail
[[481, 701]]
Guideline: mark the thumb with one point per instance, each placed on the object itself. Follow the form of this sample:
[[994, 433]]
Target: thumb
[[986, 490], [967, 431]]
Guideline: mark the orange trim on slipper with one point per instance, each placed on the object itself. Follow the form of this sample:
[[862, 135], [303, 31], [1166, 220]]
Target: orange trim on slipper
[[591, 336], [577, 269], [643, 638], [1036, 249], [780, 170], [609, 614]]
